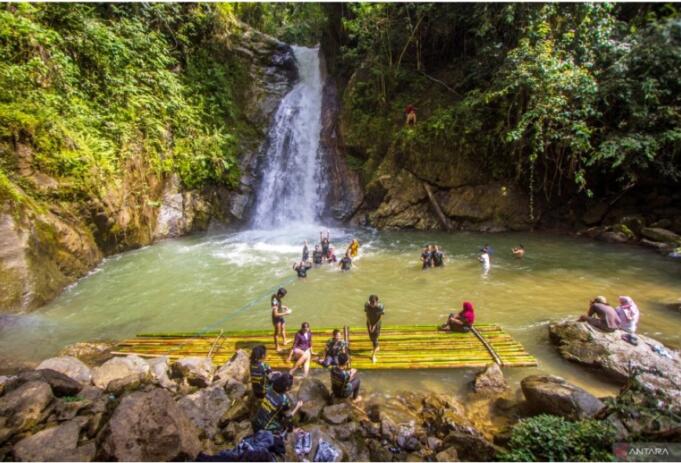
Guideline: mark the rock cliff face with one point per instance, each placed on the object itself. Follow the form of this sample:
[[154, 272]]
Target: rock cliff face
[[49, 242]]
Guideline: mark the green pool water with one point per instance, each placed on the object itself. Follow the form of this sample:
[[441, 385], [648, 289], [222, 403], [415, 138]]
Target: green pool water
[[224, 281]]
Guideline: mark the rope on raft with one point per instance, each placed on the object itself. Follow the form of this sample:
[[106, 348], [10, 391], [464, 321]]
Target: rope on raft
[[487, 345]]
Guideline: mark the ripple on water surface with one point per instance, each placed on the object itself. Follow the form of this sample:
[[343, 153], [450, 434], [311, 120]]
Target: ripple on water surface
[[223, 281]]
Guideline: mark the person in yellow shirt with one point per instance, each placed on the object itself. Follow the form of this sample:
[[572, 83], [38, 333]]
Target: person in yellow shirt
[[353, 248]]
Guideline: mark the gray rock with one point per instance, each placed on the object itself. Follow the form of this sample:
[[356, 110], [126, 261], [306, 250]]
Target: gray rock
[[59, 443], [61, 384], [150, 426], [24, 407], [90, 353], [619, 360], [448, 454], [196, 371], [613, 237], [491, 379], [470, 446], [237, 430], [337, 414], [6, 383], [661, 235], [237, 369], [159, 369], [70, 366], [206, 408], [315, 397], [556, 396], [120, 368], [128, 383]]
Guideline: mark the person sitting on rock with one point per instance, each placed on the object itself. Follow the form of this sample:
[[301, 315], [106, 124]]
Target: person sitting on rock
[[438, 257], [628, 314], [519, 251], [606, 317], [274, 412], [301, 268], [317, 255], [344, 381], [260, 372], [461, 322], [346, 262], [302, 349], [334, 347]]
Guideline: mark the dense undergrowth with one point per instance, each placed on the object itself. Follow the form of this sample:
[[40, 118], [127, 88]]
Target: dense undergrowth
[[566, 99], [88, 86]]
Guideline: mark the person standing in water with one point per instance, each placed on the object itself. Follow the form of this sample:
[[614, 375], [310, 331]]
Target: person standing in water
[[346, 262], [426, 258], [306, 252], [301, 268], [317, 255], [278, 313], [325, 241], [374, 312], [353, 248], [438, 257], [484, 259], [519, 251]]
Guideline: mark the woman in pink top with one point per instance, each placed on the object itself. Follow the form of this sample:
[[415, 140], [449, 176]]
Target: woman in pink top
[[461, 322]]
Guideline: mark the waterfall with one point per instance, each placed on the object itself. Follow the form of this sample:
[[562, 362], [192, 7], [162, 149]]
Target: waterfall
[[289, 192]]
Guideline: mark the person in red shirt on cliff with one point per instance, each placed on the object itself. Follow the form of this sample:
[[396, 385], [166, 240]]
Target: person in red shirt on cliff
[[410, 112]]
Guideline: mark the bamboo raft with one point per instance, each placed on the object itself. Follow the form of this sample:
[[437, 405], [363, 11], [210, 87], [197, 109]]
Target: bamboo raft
[[402, 347]]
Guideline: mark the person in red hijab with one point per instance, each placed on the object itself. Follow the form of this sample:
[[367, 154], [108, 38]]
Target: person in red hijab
[[461, 322]]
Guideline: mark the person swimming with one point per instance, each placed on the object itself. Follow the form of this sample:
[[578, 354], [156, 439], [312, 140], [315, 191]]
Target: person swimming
[[461, 322], [353, 248], [374, 311], [260, 372], [519, 251], [331, 256], [346, 262], [317, 255], [278, 313], [301, 268]]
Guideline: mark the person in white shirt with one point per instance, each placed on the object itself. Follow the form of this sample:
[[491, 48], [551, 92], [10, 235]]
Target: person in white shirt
[[484, 260]]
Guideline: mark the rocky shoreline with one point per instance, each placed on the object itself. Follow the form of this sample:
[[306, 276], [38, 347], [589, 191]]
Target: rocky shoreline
[[134, 409]]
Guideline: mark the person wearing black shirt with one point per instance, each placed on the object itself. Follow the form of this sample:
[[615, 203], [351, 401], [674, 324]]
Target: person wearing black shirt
[[344, 381], [278, 321], [260, 371], [346, 262], [301, 268], [274, 411], [317, 255], [374, 311], [427, 257], [438, 257], [325, 241], [306, 252]]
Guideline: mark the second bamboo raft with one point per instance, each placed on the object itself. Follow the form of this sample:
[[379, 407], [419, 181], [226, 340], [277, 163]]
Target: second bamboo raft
[[402, 347]]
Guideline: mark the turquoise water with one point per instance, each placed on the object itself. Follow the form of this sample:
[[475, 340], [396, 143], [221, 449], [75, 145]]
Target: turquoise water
[[224, 281]]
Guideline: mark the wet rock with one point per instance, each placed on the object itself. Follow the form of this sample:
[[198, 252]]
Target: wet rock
[[657, 367], [237, 369], [661, 235], [70, 366], [59, 443], [61, 384], [196, 371], [379, 452], [315, 397], [26, 406], [470, 446], [127, 369], [613, 237], [129, 383], [237, 430], [491, 379], [150, 426], [347, 431], [6, 383], [206, 408], [442, 413], [66, 410], [556, 396], [448, 454], [406, 437], [238, 411], [90, 353], [337, 414], [434, 443], [236, 390], [159, 369]]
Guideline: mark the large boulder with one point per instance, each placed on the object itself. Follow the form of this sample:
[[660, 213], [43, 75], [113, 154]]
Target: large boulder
[[315, 397], [70, 366], [61, 384], [206, 409], [470, 446], [150, 426], [337, 414], [58, 443], [237, 369], [491, 380], [661, 235], [124, 370], [196, 371], [556, 396], [26, 406], [91, 353], [655, 366]]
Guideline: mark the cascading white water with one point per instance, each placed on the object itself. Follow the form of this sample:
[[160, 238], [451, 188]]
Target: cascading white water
[[289, 192]]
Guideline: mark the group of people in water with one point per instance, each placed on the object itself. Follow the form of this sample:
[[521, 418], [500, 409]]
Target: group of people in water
[[324, 252]]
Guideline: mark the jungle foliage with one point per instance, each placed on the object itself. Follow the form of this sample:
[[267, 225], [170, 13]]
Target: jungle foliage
[[565, 98]]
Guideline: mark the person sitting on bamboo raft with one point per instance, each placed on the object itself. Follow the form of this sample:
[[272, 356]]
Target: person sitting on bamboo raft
[[317, 255], [374, 311], [302, 350], [260, 372], [301, 268], [274, 411], [334, 347], [344, 381], [461, 322], [353, 248], [606, 318], [278, 313]]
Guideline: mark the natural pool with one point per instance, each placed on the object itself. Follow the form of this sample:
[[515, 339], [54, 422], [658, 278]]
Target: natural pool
[[223, 281]]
